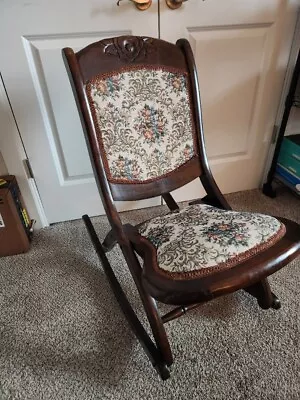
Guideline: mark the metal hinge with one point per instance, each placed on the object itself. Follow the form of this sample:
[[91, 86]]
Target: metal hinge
[[275, 134], [28, 169]]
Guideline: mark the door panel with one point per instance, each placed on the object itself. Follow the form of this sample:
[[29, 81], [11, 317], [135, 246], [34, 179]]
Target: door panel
[[41, 96], [241, 51]]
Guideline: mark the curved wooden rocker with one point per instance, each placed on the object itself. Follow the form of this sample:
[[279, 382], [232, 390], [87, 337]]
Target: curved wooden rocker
[[139, 103]]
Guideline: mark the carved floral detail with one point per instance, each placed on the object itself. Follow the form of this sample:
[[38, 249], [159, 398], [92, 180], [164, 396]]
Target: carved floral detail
[[128, 48]]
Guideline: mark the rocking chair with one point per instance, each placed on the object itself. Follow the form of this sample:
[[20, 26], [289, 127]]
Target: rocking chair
[[138, 99]]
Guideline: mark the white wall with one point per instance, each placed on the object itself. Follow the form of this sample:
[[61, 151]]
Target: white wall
[[13, 155]]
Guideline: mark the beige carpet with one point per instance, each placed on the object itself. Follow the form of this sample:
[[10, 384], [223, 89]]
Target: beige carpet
[[62, 335]]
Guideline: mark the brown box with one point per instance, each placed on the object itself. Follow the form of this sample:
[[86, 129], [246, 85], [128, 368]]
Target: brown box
[[14, 220]]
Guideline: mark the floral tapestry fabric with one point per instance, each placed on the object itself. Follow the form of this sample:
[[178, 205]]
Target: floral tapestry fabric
[[143, 121], [200, 239]]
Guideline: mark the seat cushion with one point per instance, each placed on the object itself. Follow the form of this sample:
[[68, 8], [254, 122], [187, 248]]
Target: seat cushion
[[201, 239]]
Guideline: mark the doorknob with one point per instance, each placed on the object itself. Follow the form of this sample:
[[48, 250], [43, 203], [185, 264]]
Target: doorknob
[[140, 4], [173, 4]]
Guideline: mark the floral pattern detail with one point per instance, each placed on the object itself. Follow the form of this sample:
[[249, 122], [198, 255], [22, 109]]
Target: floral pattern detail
[[188, 152], [129, 167], [109, 88], [160, 235], [200, 239], [151, 123], [226, 234], [177, 82], [144, 122]]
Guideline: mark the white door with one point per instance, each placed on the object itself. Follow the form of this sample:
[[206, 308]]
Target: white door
[[241, 50], [32, 34]]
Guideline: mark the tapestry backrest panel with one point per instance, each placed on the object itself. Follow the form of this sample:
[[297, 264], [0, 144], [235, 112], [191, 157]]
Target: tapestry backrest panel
[[144, 122]]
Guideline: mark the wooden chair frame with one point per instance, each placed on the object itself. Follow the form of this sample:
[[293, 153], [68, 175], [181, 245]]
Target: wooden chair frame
[[113, 53]]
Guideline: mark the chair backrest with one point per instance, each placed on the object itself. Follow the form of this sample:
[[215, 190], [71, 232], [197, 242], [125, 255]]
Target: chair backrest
[[140, 109]]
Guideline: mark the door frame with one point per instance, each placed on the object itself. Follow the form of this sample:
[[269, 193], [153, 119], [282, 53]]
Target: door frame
[[14, 154]]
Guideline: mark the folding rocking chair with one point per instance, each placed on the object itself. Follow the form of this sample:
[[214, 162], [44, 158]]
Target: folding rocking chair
[[138, 99]]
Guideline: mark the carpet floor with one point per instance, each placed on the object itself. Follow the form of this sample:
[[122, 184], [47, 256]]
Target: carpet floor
[[62, 335]]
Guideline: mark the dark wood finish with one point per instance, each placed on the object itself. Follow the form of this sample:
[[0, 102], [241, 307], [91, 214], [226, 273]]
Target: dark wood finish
[[178, 312], [112, 55], [262, 292], [171, 203], [154, 354], [115, 53], [184, 292], [149, 303], [183, 175], [111, 240]]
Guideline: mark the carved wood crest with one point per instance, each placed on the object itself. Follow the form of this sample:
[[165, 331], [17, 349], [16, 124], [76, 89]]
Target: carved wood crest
[[128, 48]]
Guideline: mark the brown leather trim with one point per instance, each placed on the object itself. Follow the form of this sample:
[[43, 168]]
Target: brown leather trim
[[100, 77]]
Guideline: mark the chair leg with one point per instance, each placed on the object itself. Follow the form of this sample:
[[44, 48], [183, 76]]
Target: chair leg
[[161, 360], [262, 292], [150, 307]]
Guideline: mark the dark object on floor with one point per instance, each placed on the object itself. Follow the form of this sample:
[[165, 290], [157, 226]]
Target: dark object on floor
[[15, 225], [285, 164], [288, 165], [131, 93]]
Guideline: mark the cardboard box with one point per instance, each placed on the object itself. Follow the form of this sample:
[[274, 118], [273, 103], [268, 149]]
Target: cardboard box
[[15, 224]]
